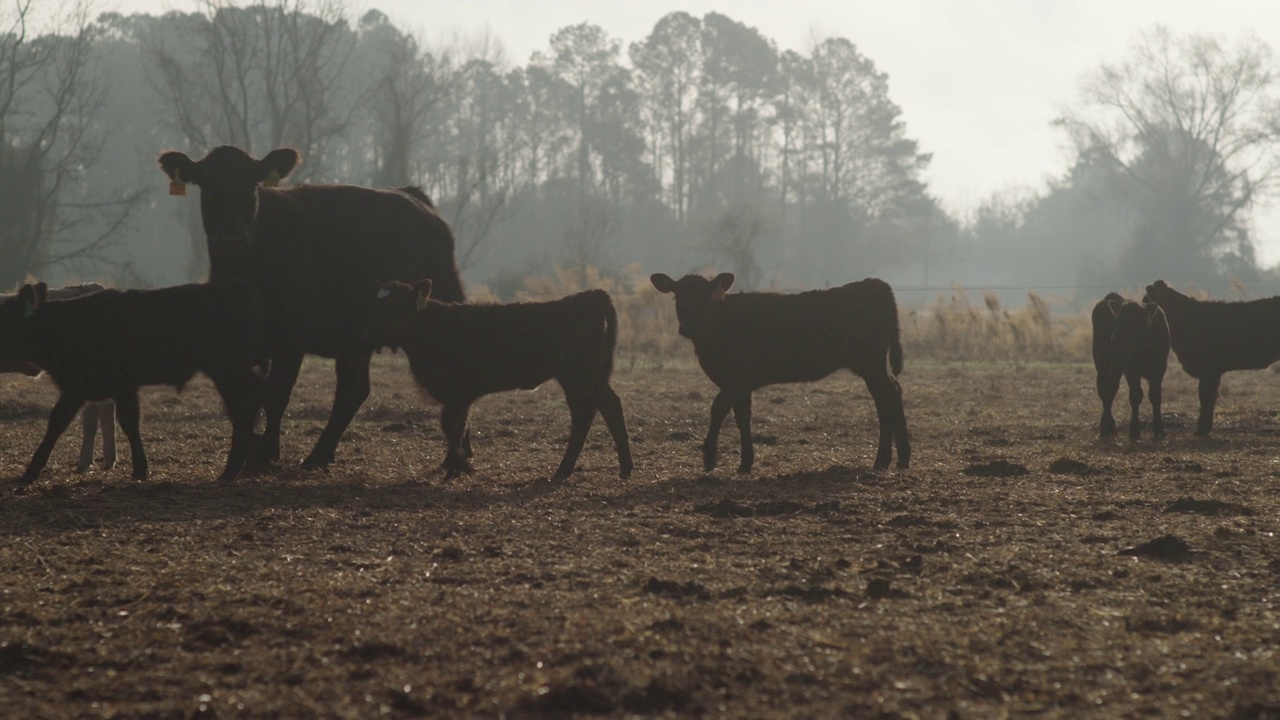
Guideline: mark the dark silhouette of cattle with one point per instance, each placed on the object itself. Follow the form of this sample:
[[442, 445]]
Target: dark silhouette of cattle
[[1212, 337], [109, 344], [318, 254], [1131, 340], [745, 341], [459, 353], [95, 413]]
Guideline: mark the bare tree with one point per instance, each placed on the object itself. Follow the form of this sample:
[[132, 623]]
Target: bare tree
[[731, 238], [588, 232], [1188, 128], [51, 95]]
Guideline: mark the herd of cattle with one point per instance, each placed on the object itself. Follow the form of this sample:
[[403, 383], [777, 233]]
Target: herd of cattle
[[341, 271]]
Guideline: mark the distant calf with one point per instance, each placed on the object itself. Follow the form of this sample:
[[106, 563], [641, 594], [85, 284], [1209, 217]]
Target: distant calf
[[459, 353], [1211, 337], [95, 413], [1129, 339], [745, 341], [109, 344]]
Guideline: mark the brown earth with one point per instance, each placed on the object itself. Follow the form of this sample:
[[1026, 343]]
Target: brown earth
[[1010, 571]]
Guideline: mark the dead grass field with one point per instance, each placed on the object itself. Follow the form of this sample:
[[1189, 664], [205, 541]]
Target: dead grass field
[[964, 587]]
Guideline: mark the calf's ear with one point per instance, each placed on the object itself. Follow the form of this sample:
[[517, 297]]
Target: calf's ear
[[723, 282], [30, 299], [277, 165], [663, 282], [180, 169]]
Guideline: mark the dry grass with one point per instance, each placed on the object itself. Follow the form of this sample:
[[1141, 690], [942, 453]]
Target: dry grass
[[812, 588]]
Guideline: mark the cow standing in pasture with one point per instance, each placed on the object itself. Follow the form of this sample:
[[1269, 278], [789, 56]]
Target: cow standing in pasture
[[1212, 337], [95, 413], [1131, 340], [318, 254], [745, 341], [459, 353], [109, 344]]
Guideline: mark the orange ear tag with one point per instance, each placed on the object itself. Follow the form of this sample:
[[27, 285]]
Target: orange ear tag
[[422, 302], [271, 180], [178, 188], [718, 293]]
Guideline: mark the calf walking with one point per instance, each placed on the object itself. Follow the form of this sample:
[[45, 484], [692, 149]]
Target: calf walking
[[459, 353], [109, 344], [745, 341], [1132, 340]]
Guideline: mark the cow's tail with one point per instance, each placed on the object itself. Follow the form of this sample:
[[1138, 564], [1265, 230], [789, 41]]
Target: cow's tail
[[610, 329], [895, 331]]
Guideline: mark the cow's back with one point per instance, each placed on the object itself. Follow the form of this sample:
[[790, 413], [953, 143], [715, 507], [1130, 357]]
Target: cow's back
[[320, 252]]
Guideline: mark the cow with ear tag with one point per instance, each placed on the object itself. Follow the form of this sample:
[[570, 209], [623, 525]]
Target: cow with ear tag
[[460, 352], [1132, 340], [317, 254], [745, 341]]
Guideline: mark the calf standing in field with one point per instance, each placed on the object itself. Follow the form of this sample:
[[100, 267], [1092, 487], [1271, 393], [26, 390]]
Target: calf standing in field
[[745, 341], [109, 344], [95, 413], [459, 353], [1211, 337], [1129, 339]]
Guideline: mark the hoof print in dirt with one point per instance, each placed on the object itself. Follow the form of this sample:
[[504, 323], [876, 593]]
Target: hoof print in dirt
[[1166, 547], [673, 589], [883, 589], [996, 468], [1067, 466], [1215, 508]]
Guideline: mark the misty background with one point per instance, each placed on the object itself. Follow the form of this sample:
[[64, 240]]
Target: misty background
[[697, 144]]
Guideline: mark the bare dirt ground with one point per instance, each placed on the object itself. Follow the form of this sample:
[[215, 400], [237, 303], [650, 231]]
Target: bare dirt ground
[[988, 580]]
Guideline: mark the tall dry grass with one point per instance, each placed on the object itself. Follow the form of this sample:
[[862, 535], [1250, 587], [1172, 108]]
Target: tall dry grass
[[951, 328]]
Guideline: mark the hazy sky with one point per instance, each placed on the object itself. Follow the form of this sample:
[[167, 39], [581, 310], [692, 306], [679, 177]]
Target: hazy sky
[[978, 80]]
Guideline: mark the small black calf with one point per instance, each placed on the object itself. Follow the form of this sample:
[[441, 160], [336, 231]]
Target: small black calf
[[109, 344], [1129, 339], [459, 353]]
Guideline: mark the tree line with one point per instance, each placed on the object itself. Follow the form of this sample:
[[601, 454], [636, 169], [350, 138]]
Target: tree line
[[700, 144]]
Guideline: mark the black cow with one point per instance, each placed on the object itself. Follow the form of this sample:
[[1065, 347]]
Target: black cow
[[317, 254], [459, 353], [1129, 339], [1211, 337], [745, 341], [109, 344], [95, 413]]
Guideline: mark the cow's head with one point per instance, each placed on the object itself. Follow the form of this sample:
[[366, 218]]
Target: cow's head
[[228, 178], [396, 308], [1159, 292], [1134, 322], [694, 296], [16, 316]]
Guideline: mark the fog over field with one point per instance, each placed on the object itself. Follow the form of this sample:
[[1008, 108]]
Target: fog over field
[[1001, 146]]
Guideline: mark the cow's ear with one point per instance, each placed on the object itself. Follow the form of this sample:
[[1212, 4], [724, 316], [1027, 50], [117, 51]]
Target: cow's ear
[[423, 288], [29, 299], [180, 169], [1114, 307], [277, 165], [722, 283], [663, 282]]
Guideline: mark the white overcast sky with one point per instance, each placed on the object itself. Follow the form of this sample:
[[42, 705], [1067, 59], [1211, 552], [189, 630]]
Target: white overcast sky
[[978, 80]]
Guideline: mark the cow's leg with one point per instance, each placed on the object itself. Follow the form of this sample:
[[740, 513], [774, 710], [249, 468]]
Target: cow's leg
[[1135, 402], [1108, 386], [611, 409], [130, 416], [453, 421], [1155, 383], [742, 416], [353, 389], [89, 431], [900, 423], [582, 410], [280, 381], [1208, 399], [64, 411], [720, 408], [888, 400], [107, 421], [241, 392]]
